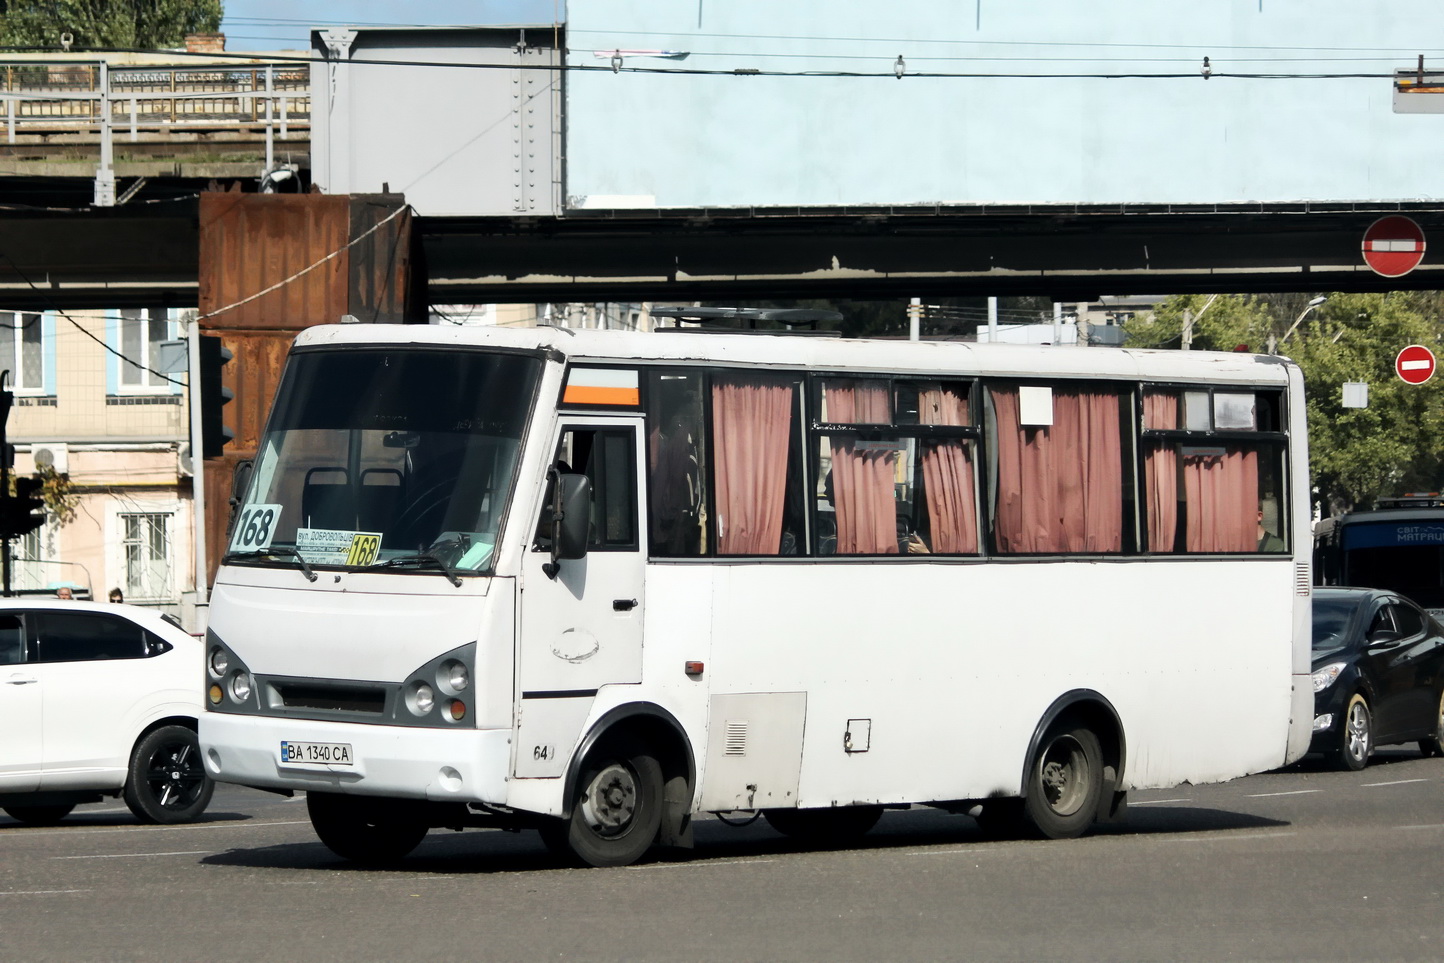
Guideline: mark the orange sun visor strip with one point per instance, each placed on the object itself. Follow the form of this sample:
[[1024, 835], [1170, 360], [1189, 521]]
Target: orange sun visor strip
[[602, 386]]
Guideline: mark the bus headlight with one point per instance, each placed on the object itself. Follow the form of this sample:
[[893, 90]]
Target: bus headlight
[[454, 677], [241, 686], [420, 699], [219, 662], [1328, 675]]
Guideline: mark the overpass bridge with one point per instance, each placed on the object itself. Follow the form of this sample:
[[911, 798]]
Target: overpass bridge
[[147, 251]]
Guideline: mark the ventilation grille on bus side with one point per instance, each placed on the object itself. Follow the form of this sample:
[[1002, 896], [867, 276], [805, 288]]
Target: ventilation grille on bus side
[[1302, 582], [736, 739]]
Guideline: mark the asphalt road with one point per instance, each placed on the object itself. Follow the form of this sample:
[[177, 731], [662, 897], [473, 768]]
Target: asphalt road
[[1302, 864]]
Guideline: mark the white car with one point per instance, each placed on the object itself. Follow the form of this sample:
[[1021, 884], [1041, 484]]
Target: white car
[[99, 700]]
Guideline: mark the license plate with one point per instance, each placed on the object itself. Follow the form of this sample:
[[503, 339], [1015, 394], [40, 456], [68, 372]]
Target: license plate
[[317, 753]]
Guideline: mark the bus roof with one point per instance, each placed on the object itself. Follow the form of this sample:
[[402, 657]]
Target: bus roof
[[961, 358]]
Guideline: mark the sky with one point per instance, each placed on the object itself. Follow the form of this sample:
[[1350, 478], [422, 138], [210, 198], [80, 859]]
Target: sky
[[286, 24]]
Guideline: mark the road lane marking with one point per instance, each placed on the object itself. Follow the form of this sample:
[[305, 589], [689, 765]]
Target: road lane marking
[[1291, 792], [1425, 826], [1216, 838], [42, 892], [700, 864], [195, 852], [1155, 802], [239, 824], [950, 852], [1396, 782]]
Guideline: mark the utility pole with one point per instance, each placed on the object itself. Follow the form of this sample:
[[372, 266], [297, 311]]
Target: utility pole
[[7, 398]]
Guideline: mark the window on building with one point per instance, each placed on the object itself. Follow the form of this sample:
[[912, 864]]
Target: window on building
[[147, 555], [141, 332], [21, 350], [27, 566]]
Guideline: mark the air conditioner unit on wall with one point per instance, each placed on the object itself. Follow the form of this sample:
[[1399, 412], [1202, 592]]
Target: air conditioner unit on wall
[[52, 454]]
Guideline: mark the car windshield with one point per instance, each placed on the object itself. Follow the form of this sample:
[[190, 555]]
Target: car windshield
[[376, 456], [1331, 622]]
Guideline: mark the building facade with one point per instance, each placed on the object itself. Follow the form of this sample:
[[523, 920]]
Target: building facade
[[94, 402]]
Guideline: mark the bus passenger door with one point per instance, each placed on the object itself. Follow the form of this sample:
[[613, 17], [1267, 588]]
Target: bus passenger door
[[582, 629]]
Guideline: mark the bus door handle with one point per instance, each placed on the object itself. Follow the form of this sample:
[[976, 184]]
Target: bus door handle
[[623, 605]]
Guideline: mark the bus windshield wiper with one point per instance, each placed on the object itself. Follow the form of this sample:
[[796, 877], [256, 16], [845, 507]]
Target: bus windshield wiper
[[274, 553], [424, 558]]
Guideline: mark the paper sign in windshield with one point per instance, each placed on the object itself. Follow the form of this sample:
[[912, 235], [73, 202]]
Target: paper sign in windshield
[[333, 546]]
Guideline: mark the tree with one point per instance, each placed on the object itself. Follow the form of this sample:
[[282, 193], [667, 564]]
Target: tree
[[1395, 445], [106, 24]]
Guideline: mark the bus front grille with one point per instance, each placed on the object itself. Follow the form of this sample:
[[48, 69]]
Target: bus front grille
[[337, 698]]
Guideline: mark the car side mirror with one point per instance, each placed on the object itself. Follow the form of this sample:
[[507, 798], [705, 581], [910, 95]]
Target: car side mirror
[[1384, 637], [571, 518]]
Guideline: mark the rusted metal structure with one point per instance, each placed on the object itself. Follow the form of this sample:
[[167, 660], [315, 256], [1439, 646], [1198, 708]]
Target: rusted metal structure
[[273, 264]]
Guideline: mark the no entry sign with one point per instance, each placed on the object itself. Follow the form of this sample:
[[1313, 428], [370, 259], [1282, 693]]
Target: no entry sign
[[1393, 246], [1415, 364]]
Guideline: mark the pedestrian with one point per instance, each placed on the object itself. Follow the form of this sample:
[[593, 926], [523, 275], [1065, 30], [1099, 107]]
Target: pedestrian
[[64, 593], [115, 595]]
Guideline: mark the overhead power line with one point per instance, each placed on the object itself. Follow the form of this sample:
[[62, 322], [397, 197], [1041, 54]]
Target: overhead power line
[[891, 72]]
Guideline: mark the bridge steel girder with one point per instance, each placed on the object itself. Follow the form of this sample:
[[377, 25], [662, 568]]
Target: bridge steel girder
[[1066, 254], [148, 254]]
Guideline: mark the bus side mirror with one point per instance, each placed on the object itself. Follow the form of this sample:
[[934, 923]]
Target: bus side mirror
[[571, 518]]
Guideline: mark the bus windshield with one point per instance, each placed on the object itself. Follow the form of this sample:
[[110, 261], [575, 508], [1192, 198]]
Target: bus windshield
[[376, 456], [1402, 556]]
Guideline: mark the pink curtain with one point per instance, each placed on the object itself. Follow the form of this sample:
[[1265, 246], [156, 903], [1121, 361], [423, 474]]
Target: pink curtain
[[751, 419], [1221, 494], [1060, 487], [1160, 469], [862, 478], [948, 475]]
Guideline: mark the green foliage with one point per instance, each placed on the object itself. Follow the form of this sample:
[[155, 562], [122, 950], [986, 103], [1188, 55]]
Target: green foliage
[[60, 499], [106, 24], [1393, 446]]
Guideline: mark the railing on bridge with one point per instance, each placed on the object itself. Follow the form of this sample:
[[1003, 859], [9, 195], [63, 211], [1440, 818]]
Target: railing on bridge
[[46, 98]]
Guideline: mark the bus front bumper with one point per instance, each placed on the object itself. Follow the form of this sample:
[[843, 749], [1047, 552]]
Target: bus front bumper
[[460, 765]]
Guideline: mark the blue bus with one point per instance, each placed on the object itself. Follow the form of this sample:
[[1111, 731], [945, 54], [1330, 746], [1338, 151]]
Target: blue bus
[[1398, 545]]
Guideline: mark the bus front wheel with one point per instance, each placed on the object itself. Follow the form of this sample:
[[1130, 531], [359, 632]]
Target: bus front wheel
[[366, 830], [1065, 783], [618, 808]]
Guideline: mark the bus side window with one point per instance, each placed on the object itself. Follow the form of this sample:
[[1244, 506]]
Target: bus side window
[[606, 457], [676, 459]]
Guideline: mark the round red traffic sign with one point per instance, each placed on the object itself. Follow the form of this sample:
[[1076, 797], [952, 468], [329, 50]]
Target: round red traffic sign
[[1393, 245], [1415, 364]]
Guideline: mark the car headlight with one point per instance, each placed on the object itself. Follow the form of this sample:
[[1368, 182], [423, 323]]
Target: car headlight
[[240, 686], [220, 662], [1328, 675]]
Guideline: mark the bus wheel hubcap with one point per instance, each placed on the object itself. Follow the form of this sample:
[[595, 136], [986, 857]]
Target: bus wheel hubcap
[[611, 800]]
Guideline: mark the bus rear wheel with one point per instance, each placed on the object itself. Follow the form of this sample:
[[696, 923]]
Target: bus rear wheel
[[618, 808], [822, 825], [1065, 783], [376, 832]]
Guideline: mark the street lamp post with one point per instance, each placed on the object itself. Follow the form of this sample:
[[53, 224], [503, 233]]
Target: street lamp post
[[1313, 303]]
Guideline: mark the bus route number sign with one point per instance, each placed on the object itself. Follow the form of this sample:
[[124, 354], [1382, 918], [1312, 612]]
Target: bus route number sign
[[255, 528]]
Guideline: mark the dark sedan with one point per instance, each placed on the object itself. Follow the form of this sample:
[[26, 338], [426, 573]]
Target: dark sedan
[[1378, 675]]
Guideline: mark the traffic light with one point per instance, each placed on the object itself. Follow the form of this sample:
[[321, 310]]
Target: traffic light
[[18, 511], [211, 395]]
